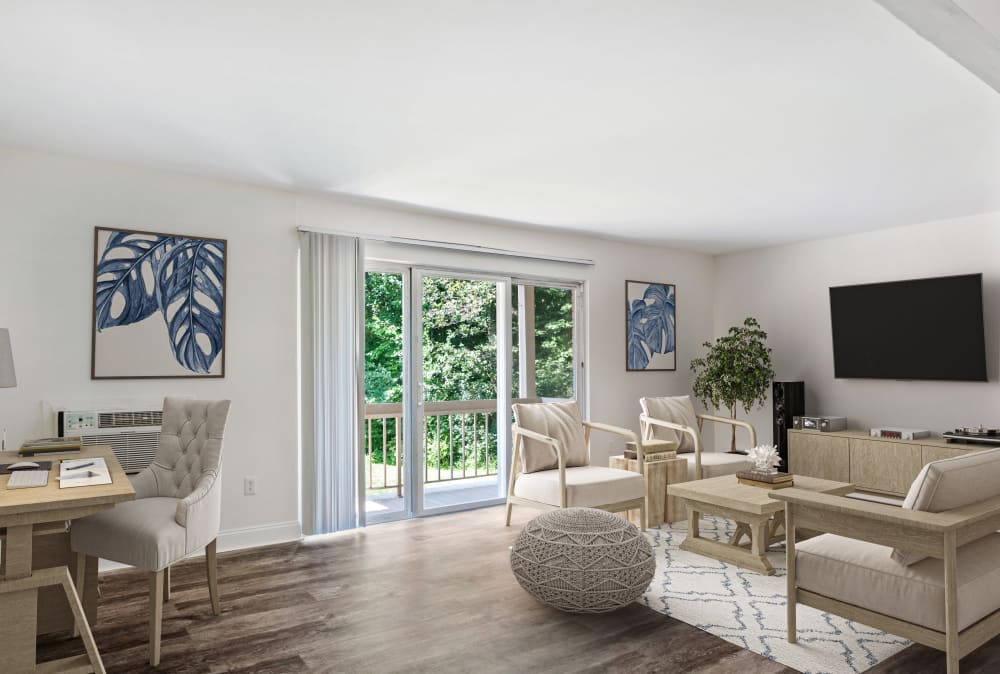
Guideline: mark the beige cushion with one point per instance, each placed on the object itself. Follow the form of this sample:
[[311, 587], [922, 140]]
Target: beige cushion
[[561, 421], [714, 464], [863, 574], [140, 533], [586, 486], [675, 409], [952, 483]]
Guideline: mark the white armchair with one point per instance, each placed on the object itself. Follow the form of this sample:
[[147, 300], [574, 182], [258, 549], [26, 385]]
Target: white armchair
[[550, 467], [674, 418], [176, 511]]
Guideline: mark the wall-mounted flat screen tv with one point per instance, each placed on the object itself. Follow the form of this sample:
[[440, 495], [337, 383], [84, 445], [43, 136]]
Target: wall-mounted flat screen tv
[[920, 329]]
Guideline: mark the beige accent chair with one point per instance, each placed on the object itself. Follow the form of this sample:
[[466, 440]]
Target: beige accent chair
[[550, 467], [176, 511], [929, 571], [674, 418]]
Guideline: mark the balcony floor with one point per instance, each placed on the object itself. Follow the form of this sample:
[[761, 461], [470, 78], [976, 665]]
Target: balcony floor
[[436, 495]]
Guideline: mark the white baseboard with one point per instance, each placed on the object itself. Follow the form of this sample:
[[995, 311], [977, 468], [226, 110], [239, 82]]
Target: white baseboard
[[239, 539]]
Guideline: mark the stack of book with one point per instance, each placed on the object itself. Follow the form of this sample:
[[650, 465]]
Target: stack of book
[[50, 446], [765, 480], [653, 450]]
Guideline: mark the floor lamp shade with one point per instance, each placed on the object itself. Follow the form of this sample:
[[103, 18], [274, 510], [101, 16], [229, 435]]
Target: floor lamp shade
[[7, 377]]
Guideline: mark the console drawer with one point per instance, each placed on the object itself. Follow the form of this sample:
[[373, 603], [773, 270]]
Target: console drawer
[[888, 467]]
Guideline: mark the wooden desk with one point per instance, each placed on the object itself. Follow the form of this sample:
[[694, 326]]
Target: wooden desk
[[22, 512]]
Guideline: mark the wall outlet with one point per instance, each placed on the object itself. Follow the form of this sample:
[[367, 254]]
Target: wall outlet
[[250, 485]]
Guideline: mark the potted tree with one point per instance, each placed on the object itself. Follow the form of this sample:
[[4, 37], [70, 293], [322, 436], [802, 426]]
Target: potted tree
[[736, 369]]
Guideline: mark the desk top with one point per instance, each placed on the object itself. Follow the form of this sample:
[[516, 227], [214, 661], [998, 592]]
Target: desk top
[[50, 502], [726, 491]]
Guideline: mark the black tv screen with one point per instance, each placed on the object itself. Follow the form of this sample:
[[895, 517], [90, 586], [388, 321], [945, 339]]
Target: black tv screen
[[920, 329]]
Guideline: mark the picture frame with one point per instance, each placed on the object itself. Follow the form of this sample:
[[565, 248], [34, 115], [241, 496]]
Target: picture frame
[[159, 305], [650, 326]]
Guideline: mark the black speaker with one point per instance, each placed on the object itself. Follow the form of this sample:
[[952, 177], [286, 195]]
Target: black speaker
[[789, 398]]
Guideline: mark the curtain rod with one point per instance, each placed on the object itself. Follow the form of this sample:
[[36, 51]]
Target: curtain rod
[[447, 245]]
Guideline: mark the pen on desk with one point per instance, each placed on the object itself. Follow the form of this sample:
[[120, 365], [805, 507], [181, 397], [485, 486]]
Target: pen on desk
[[90, 473], [78, 466]]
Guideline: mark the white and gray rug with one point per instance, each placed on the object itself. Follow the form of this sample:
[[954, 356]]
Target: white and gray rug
[[748, 608]]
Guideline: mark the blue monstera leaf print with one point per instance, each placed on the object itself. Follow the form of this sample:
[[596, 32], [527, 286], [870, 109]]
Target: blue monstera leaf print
[[183, 279], [651, 327]]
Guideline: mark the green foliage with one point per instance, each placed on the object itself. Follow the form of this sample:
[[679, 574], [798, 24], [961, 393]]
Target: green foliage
[[736, 369], [459, 344]]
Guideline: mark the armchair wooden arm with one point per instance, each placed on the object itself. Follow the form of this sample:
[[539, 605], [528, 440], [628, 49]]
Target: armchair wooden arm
[[732, 422], [519, 433], [890, 525], [647, 422], [617, 430]]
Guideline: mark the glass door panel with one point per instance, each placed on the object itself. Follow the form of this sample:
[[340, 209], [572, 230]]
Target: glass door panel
[[459, 365], [544, 347], [384, 439]]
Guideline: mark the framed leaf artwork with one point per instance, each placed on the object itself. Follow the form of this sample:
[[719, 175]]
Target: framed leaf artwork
[[650, 326], [159, 305]]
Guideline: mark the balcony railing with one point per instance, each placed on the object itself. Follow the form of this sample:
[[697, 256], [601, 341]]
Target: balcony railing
[[460, 441]]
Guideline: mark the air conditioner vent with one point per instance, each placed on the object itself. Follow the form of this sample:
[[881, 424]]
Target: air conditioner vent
[[131, 419], [133, 435]]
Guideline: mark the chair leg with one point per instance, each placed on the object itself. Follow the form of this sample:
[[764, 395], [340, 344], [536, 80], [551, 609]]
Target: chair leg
[[510, 507], [642, 516], [166, 584], [213, 580], [155, 616]]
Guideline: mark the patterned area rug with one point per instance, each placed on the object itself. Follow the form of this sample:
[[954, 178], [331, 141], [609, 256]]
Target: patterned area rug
[[748, 608]]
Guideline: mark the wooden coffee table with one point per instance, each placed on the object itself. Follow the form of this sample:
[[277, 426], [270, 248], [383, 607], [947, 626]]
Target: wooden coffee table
[[757, 516]]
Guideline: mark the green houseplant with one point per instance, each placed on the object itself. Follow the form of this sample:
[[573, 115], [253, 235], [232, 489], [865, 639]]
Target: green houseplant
[[736, 369]]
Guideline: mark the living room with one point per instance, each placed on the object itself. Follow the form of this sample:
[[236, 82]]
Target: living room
[[746, 157]]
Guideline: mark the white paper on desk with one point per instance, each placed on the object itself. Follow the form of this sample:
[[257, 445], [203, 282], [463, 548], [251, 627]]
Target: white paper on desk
[[101, 474]]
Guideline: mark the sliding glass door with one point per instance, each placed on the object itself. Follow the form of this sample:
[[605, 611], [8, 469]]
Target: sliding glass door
[[446, 353]]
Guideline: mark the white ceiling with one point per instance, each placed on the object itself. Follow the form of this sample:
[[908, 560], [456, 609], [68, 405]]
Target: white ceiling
[[709, 124]]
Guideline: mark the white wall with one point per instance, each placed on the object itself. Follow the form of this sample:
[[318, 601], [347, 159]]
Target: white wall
[[786, 288], [49, 205]]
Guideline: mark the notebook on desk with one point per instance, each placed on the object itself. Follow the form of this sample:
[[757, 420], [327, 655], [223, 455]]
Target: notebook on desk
[[83, 472]]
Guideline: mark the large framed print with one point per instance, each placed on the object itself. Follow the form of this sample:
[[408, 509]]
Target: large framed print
[[159, 305], [650, 326]]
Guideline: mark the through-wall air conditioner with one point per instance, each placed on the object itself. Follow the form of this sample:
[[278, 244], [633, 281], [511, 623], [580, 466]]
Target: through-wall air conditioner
[[132, 434]]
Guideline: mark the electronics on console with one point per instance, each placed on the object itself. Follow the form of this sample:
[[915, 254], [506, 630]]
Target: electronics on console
[[899, 433], [974, 435], [825, 424]]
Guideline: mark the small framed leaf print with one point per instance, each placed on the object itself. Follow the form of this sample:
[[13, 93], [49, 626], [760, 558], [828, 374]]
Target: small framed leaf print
[[159, 305], [650, 326]]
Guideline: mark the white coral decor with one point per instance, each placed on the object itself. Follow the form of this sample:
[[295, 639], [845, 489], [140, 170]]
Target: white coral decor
[[765, 458]]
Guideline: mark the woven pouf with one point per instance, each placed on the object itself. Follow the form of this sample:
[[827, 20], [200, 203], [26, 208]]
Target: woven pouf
[[582, 560]]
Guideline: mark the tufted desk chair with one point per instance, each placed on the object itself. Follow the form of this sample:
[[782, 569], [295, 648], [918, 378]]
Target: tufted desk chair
[[176, 511]]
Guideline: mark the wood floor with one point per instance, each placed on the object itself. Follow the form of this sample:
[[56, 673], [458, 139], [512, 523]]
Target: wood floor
[[430, 595]]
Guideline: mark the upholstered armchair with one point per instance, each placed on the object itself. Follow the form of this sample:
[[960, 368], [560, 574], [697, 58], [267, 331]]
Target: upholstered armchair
[[929, 571], [176, 511], [550, 467], [674, 418]]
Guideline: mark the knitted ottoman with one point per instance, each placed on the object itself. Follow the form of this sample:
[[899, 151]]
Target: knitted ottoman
[[582, 560]]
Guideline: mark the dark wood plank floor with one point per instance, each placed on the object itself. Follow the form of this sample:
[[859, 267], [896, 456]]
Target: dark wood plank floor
[[429, 595]]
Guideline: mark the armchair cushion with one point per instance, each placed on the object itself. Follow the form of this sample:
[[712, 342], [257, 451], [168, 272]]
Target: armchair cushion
[[949, 484], [140, 533], [586, 486], [714, 464], [561, 421], [862, 574], [676, 409]]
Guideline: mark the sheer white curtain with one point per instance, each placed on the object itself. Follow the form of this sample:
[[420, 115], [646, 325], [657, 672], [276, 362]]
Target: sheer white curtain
[[333, 344]]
